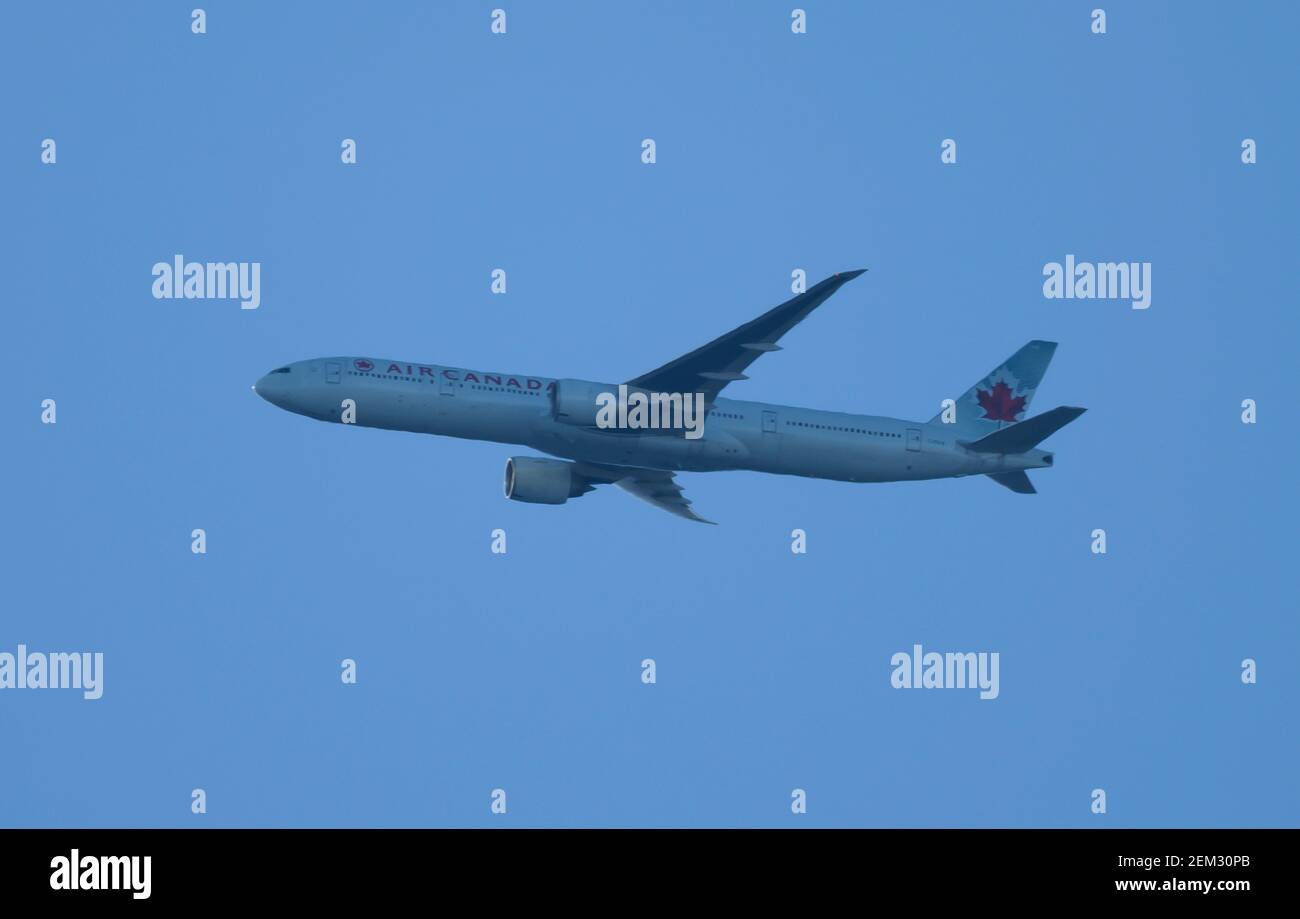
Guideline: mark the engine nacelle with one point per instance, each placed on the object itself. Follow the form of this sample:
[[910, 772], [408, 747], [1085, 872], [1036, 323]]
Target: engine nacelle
[[574, 401], [542, 481]]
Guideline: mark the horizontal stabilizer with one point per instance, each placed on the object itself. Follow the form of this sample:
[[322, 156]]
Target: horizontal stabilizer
[[1026, 435], [1016, 481]]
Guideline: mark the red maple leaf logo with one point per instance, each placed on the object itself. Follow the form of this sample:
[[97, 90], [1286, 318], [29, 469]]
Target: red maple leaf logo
[[1000, 404]]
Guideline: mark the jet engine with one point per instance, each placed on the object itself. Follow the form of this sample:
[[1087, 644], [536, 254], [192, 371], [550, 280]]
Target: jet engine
[[574, 401], [542, 481]]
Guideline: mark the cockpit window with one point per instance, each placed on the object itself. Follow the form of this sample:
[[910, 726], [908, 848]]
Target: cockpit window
[[281, 370]]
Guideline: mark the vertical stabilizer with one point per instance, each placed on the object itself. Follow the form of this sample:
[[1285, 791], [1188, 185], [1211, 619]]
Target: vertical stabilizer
[[1002, 397]]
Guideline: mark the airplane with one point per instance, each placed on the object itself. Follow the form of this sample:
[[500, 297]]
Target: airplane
[[985, 432]]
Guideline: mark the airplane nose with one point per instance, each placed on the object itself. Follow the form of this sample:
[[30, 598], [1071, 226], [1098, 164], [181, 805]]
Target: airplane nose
[[273, 388]]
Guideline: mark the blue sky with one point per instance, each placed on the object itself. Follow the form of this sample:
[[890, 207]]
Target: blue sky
[[522, 151]]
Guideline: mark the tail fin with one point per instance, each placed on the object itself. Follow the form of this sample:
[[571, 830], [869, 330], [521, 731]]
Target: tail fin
[[1026, 435], [1002, 398]]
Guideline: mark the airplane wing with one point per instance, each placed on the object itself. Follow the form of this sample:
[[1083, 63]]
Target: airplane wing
[[709, 368], [653, 486]]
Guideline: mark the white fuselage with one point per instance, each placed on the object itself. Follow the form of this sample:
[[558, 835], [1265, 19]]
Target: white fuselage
[[518, 409]]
